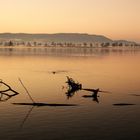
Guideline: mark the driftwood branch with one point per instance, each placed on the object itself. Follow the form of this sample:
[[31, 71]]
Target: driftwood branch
[[8, 88], [4, 92], [73, 87]]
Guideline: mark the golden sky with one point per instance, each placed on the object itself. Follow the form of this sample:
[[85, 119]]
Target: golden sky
[[116, 19]]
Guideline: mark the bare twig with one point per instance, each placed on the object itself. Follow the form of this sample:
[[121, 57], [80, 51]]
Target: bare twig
[[26, 90], [9, 88]]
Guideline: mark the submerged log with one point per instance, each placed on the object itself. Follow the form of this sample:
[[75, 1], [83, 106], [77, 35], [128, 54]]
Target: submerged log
[[44, 104], [123, 104]]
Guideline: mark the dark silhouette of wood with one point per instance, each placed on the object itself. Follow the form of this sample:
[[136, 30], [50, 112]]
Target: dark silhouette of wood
[[73, 87], [94, 93], [123, 104], [8, 88], [4, 95], [26, 91], [58, 71], [71, 92], [95, 90], [94, 97], [72, 84], [44, 104]]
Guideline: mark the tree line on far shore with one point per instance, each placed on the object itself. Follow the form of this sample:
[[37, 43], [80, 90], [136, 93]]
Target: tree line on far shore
[[68, 44]]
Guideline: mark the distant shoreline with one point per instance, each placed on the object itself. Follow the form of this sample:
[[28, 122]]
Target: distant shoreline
[[75, 47], [64, 51]]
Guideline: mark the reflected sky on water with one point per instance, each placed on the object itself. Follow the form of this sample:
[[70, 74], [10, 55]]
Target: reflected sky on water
[[115, 71]]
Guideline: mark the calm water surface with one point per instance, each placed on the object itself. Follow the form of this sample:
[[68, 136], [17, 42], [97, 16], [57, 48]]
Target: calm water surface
[[116, 71]]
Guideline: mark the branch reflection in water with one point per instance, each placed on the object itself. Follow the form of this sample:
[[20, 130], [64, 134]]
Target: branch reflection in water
[[26, 117], [73, 87], [94, 95]]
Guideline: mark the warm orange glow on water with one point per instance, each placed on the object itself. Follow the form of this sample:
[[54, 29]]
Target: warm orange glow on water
[[113, 72], [116, 72]]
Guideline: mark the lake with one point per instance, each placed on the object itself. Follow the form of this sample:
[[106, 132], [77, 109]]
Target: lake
[[43, 72]]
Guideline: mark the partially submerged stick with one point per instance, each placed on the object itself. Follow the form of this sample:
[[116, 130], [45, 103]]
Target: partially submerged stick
[[93, 90], [26, 90], [44, 104]]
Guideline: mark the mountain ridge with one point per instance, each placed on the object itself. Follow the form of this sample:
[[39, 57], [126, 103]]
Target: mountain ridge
[[60, 37], [57, 37]]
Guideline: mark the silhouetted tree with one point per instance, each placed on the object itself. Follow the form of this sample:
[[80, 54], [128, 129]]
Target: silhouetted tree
[[120, 44], [10, 43], [91, 45], [85, 44]]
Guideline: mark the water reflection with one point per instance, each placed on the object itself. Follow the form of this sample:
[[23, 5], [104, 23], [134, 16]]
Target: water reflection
[[26, 117], [65, 51], [74, 87], [116, 73], [94, 94], [38, 104], [71, 92], [6, 96]]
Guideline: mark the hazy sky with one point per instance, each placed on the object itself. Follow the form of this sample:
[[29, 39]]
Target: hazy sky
[[117, 19]]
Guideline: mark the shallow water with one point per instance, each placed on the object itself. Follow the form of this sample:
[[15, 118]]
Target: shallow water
[[112, 70]]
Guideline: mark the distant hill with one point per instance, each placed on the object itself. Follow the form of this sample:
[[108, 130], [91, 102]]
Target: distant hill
[[59, 37]]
